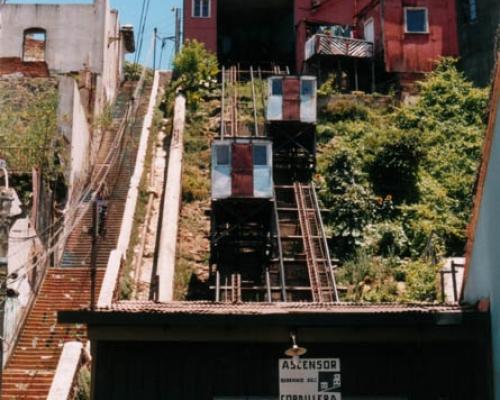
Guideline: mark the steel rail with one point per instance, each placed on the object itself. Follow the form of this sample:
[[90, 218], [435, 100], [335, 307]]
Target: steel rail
[[325, 243], [254, 103], [280, 246], [223, 105]]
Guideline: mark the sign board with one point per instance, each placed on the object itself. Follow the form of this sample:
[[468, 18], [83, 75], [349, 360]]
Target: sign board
[[310, 379]]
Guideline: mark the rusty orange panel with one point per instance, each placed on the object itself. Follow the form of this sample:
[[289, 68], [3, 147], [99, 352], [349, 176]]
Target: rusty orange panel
[[242, 170], [291, 99]]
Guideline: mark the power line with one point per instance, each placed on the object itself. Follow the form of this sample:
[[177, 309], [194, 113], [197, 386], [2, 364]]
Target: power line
[[97, 181], [142, 28], [139, 30]]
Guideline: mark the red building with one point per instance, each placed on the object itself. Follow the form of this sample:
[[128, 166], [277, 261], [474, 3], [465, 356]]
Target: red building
[[402, 37], [408, 35], [272, 31]]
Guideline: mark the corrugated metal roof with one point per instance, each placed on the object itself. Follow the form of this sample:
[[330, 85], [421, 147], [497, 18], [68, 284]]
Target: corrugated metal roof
[[213, 308]]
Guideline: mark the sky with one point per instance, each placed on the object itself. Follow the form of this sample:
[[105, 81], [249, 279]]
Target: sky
[[159, 16]]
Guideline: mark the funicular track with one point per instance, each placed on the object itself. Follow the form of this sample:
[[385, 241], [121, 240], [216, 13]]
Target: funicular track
[[319, 265], [300, 238], [243, 111], [299, 267]]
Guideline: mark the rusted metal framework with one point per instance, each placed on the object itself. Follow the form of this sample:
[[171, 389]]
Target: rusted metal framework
[[267, 244], [241, 216]]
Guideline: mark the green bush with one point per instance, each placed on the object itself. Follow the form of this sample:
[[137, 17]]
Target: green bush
[[414, 167], [395, 165], [369, 278], [132, 71], [195, 71], [387, 239], [398, 182], [421, 281], [83, 391], [343, 110]]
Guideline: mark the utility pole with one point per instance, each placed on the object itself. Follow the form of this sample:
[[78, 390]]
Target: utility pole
[[98, 230], [93, 255], [154, 48], [5, 204], [177, 30]]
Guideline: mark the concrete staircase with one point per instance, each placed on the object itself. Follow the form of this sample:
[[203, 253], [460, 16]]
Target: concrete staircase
[[79, 244], [30, 370]]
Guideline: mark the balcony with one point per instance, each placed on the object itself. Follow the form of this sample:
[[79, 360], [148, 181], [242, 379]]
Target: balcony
[[321, 44]]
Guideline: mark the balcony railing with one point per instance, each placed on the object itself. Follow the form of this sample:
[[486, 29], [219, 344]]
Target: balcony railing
[[320, 44]]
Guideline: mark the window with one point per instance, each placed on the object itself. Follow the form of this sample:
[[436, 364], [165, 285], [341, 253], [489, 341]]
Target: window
[[259, 154], [277, 87], [222, 153], [369, 30], [307, 87], [201, 8], [472, 10], [34, 44], [416, 20]]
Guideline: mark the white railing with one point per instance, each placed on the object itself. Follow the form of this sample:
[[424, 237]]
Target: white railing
[[116, 256], [171, 206], [337, 46], [72, 357]]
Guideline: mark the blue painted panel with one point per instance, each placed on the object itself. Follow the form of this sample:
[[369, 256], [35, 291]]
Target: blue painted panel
[[262, 169], [308, 100], [263, 182], [274, 100], [221, 172]]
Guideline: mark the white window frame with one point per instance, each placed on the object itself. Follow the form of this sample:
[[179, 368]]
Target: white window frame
[[406, 9], [367, 22], [193, 8]]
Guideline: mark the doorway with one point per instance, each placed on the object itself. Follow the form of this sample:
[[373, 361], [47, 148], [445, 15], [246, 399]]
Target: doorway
[[257, 32]]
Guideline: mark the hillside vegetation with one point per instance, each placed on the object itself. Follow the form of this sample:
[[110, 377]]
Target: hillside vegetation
[[398, 183]]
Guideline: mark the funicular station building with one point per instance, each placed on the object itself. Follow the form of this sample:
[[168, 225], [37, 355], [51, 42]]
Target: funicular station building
[[271, 326]]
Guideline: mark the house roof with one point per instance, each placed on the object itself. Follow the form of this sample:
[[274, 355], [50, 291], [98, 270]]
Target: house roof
[[311, 314], [483, 170], [256, 308]]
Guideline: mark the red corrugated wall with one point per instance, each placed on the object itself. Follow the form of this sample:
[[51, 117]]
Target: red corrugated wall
[[403, 52], [418, 52], [330, 12], [201, 29], [371, 12], [410, 52]]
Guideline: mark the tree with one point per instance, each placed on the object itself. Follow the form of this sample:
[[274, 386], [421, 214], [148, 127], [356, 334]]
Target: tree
[[195, 71]]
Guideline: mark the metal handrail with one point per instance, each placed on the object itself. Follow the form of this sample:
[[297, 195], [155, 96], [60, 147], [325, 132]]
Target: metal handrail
[[280, 246], [345, 38], [325, 242]]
